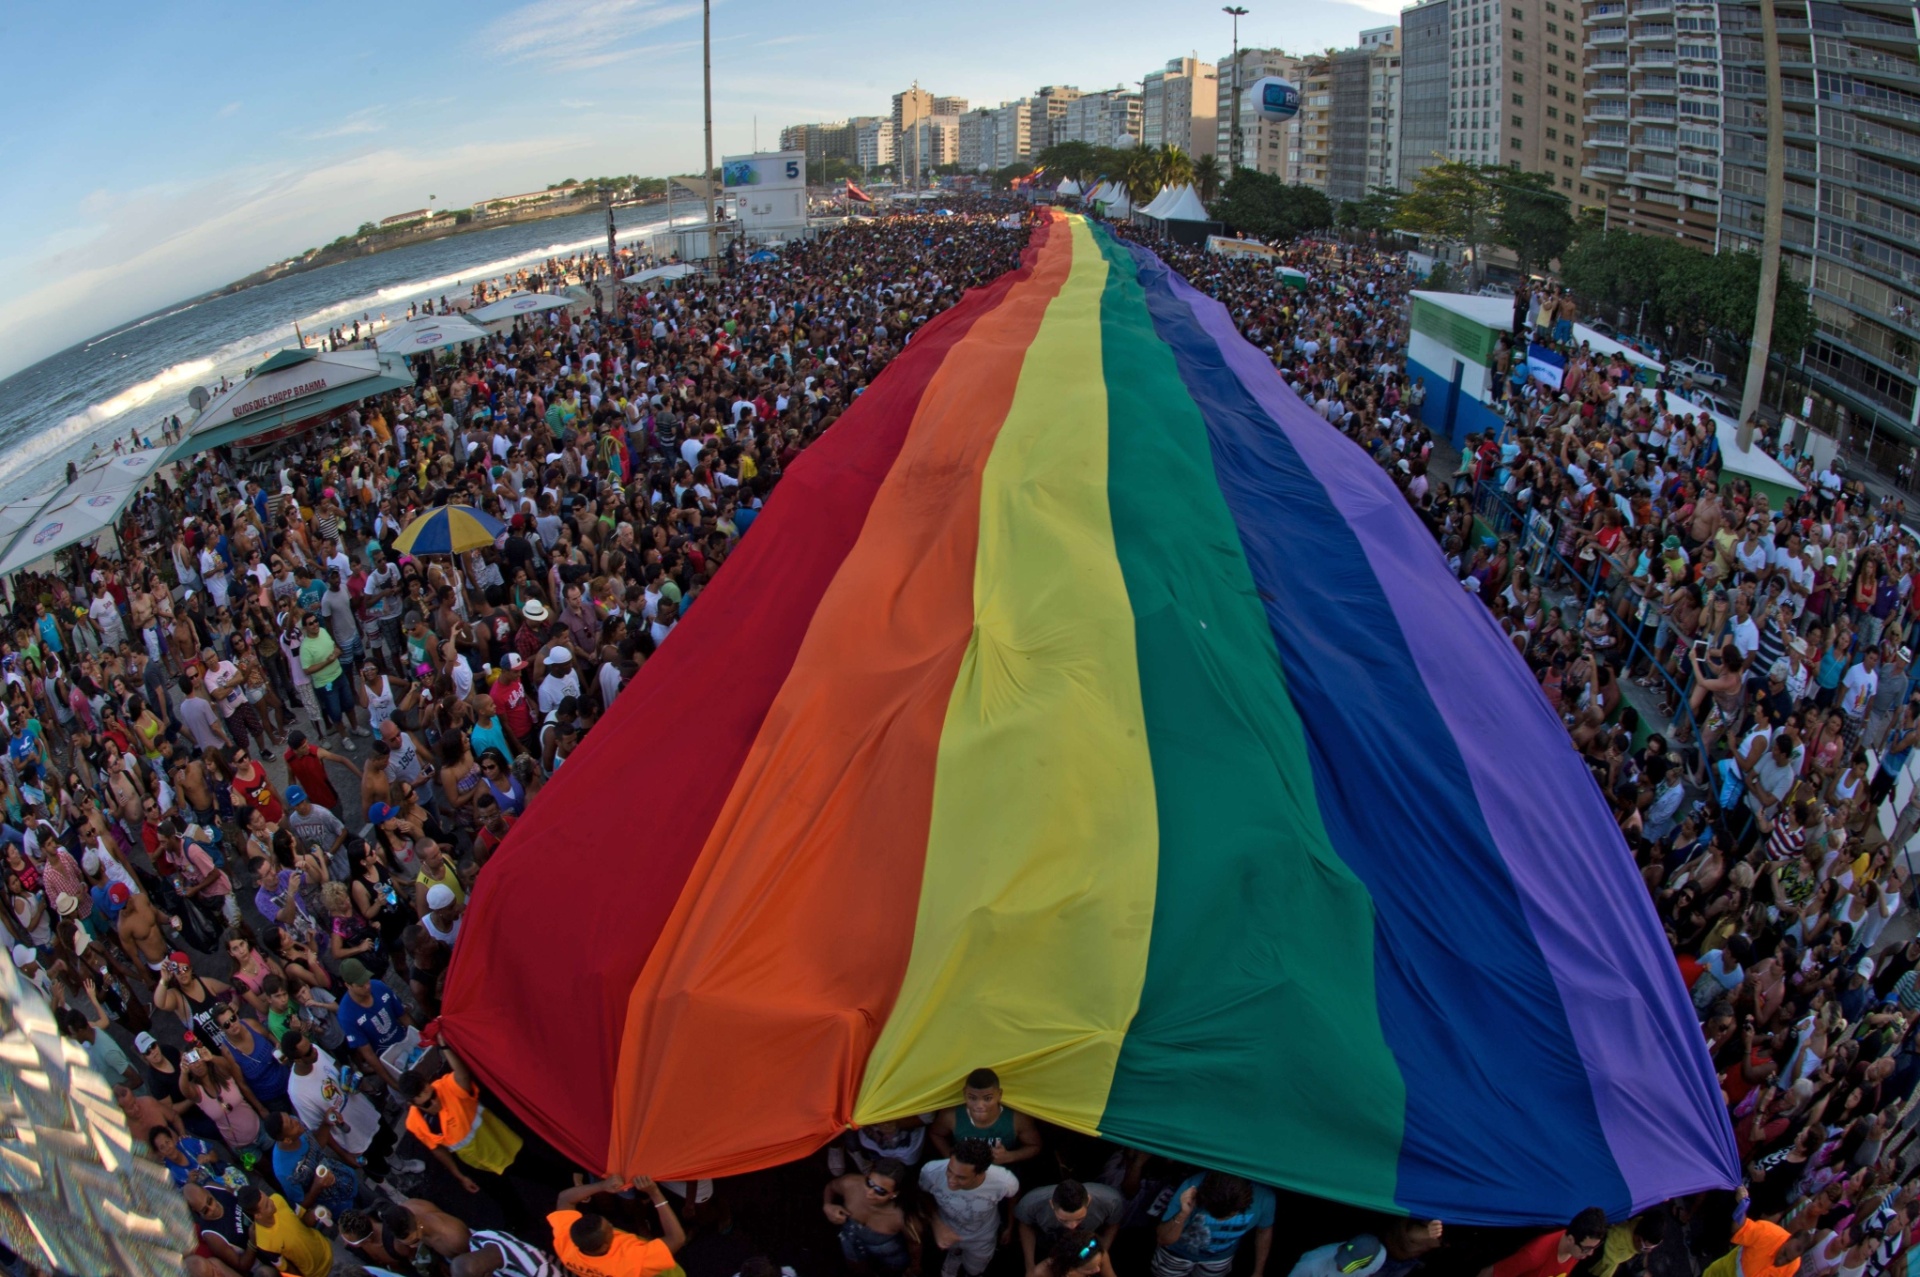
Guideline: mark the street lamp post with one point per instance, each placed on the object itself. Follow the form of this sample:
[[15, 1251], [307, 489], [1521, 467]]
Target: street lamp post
[[706, 74], [1237, 12]]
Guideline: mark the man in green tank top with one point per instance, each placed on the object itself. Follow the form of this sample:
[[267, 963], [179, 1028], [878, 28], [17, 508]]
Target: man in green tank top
[[1012, 1136]]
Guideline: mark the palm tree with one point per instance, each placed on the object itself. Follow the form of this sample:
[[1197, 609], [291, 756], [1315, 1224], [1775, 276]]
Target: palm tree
[[1206, 176], [1176, 166], [1142, 176]]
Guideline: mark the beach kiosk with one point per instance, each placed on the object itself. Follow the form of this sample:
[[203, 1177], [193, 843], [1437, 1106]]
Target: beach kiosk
[[1450, 351]]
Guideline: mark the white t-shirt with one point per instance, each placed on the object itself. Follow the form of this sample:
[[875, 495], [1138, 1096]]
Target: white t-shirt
[[554, 690], [320, 1101], [973, 1213], [1861, 683], [1746, 635]]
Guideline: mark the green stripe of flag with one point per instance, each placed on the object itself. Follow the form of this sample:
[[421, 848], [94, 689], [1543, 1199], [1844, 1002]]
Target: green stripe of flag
[[1257, 1033]]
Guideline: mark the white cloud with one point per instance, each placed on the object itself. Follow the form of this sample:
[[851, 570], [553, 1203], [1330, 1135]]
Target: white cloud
[[364, 121], [227, 111], [570, 36]]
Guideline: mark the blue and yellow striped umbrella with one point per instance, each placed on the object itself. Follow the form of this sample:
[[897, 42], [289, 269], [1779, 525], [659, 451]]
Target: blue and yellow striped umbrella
[[449, 529]]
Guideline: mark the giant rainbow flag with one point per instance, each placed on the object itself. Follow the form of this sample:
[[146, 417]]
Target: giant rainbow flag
[[1084, 706]]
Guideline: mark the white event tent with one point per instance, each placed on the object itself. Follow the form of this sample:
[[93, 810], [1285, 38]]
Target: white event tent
[[84, 508], [429, 332], [511, 307]]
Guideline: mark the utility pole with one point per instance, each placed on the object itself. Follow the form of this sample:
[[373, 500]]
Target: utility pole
[[1775, 219], [706, 70], [1237, 12]]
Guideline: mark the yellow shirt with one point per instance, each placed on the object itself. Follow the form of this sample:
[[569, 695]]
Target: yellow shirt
[[301, 1249], [448, 877]]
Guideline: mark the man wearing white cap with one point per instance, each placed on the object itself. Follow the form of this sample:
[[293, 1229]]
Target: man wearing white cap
[[561, 680], [27, 962], [442, 919]]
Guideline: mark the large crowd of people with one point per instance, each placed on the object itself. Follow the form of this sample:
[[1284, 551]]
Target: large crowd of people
[[256, 766], [1757, 779]]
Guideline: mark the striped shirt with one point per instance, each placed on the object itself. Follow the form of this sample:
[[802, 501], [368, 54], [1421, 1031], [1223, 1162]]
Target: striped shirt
[[518, 1258]]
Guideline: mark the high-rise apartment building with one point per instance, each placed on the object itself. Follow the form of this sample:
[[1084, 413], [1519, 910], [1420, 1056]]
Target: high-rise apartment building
[[1310, 133], [1264, 144], [1108, 119], [1425, 36], [1013, 131], [873, 142], [1050, 114], [1177, 106], [949, 106], [820, 141], [1652, 116], [909, 108], [976, 141], [1363, 115], [932, 141], [1384, 80], [1514, 88], [1851, 89]]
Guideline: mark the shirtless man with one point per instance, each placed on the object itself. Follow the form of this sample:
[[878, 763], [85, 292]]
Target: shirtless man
[[404, 1228], [374, 785], [872, 1224], [138, 929], [189, 775]]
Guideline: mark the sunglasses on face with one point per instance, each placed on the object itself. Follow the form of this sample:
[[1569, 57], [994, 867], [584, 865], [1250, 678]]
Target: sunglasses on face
[[878, 1191]]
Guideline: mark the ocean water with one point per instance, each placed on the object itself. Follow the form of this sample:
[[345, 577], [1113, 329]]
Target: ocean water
[[133, 376]]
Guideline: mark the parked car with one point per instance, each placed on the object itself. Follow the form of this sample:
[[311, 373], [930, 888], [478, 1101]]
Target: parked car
[[1702, 374]]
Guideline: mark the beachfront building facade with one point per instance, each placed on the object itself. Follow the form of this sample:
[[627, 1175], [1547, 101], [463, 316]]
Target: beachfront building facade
[[931, 143], [417, 215], [1050, 114], [1515, 88], [873, 142], [1110, 119], [1363, 115], [909, 107], [977, 140], [1851, 90], [1310, 133], [1013, 131], [1178, 104], [1652, 116], [1264, 144], [1424, 92]]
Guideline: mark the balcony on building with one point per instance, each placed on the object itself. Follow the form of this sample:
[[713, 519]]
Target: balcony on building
[[1606, 35], [1607, 135], [1867, 135], [1904, 72], [1601, 12], [1606, 112], [1663, 85], [1882, 33], [1608, 58], [1645, 112], [1871, 99], [1657, 139], [1608, 162], [1647, 32], [1608, 84]]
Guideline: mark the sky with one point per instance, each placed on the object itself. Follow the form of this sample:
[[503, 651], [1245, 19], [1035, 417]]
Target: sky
[[154, 152]]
